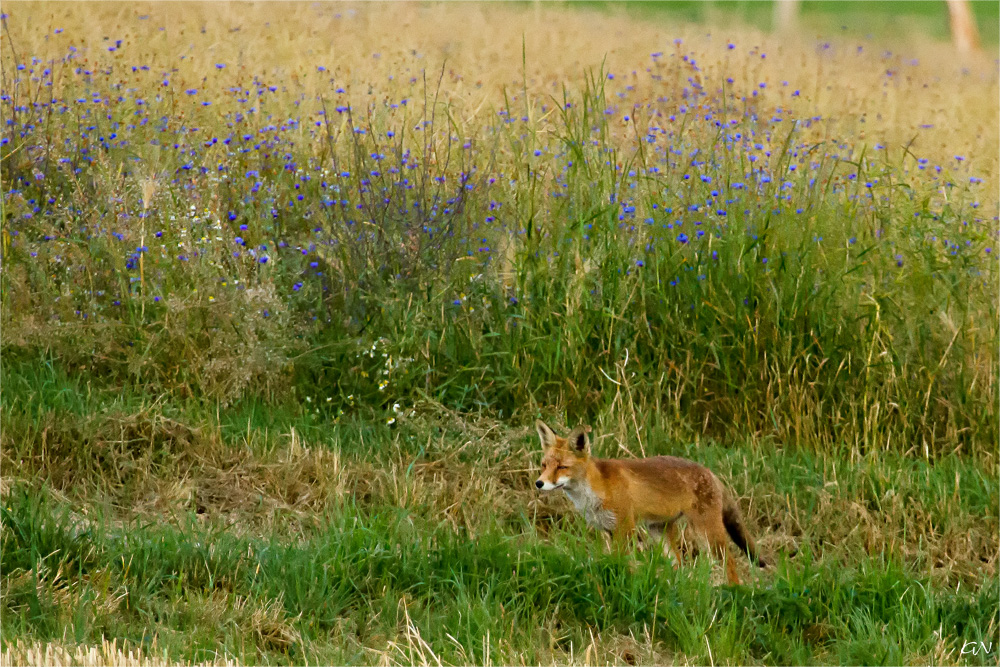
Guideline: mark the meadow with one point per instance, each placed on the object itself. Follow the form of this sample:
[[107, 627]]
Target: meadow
[[284, 287]]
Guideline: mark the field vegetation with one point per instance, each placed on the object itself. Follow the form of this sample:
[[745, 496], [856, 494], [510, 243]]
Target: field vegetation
[[284, 287]]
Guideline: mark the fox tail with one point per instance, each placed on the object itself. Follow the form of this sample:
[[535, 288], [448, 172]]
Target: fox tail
[[732, 519]]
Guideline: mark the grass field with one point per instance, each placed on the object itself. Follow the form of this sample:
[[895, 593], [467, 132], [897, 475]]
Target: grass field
[[285, 286], [909, 22]]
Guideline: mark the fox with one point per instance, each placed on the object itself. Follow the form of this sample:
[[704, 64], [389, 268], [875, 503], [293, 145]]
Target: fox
[[614, 494]]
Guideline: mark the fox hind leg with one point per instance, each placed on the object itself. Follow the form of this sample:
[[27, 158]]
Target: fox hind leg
[[717, 539]]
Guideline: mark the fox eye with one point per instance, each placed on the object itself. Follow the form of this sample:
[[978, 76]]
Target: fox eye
[[562, 467]]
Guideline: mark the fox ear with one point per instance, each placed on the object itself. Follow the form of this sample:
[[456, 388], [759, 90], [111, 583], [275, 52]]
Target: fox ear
[[545, 434], [578, 439]]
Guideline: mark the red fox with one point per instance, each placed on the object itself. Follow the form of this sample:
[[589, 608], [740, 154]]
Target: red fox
[[614, 494]]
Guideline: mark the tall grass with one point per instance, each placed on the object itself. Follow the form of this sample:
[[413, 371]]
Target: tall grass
[[695, 247]]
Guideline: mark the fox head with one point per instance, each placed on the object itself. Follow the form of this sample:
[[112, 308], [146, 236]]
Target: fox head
[[564, 459]]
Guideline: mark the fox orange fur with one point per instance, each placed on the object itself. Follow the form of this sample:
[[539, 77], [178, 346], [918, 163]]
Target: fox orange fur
[[614, 494]]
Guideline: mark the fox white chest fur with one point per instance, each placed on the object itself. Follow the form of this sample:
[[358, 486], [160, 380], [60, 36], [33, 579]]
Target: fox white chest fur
[[588, 504]]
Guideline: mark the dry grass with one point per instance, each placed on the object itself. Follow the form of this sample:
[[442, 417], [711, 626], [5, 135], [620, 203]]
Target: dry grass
[[288, 488], [108, 654], [374, 50], [475, 477]]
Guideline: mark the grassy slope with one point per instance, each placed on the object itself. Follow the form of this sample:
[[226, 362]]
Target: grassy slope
[[236, 494]]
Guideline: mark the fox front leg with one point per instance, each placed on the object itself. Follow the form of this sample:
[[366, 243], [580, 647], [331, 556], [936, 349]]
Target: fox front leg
[[624, 530]]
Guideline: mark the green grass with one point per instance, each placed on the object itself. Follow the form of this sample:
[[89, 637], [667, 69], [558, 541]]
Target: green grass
[[877, 560], [509, 595]]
